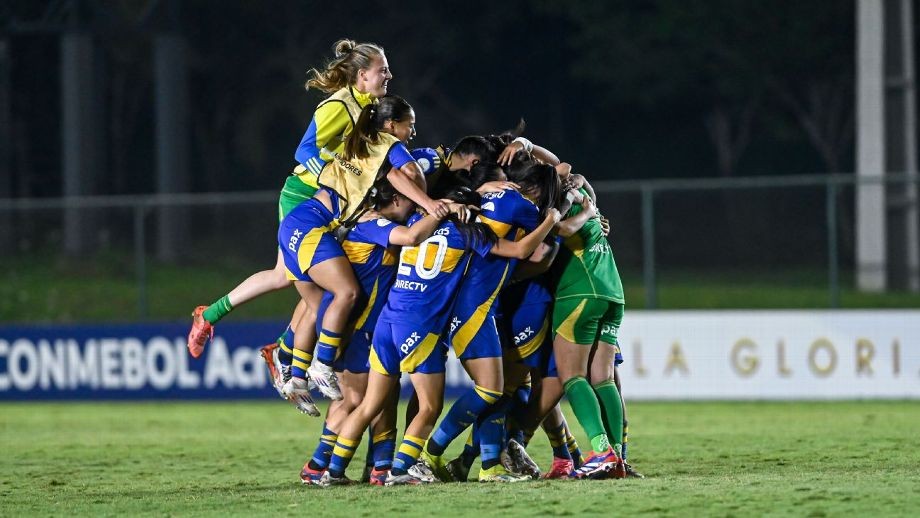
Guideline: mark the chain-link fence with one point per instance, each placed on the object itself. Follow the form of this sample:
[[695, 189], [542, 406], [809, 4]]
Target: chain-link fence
[[678, 243]]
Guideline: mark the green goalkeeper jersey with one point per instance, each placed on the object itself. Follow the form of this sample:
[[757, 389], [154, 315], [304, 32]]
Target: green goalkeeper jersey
[[586, 269]]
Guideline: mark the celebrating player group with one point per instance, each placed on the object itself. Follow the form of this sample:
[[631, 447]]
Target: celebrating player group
[[493, 249]]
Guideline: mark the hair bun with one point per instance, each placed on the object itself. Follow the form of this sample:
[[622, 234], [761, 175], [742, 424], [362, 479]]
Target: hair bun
[[343, 47]]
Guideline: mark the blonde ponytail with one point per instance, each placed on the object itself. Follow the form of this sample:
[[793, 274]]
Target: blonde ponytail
[[341, 71]]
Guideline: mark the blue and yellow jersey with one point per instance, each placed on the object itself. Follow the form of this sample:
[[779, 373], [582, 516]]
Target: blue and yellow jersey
[[510, 216], [428, 276], [332, 122], [367, 247]]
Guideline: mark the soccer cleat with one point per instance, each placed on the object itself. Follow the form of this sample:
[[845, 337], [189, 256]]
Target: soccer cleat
[[597, 465], [418, 473], [561, 469], [275, 370], [297, 391], [521, 461], [378, 477], [619, 470], [327, 480], [436, 464], [310, 476], [630, 472], [458, 470], [499, 473], [422, 471], [326, 380], [201, 332]]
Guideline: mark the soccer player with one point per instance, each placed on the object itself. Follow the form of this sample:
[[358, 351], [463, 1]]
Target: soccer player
[[589, 303], [374, 150], [372, 248], [473, 332], [357, 76]]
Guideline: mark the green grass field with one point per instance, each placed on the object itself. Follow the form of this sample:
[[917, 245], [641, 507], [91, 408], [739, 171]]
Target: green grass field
[[723, 459]]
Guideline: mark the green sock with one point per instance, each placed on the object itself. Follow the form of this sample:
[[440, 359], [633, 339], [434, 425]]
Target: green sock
[[218, 310], [609, 397], [587, 411]]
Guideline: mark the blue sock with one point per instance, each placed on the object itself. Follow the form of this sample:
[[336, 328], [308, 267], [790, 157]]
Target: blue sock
[[300, 363], [327, 346], [323, 450], [384, 447], [517, 412], [492, 432], [462, 414], [408, 454], [625, 436], [471, 448], [286, 346], [556, 438]]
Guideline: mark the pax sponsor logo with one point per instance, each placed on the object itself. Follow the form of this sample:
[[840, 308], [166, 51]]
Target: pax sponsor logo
[[410, 342]]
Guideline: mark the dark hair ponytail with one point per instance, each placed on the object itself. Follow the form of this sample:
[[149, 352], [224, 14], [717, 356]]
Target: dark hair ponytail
[[543, 178], [370, 122], [483, 172]]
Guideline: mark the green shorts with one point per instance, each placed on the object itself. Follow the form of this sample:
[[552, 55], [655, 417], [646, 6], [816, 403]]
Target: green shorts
[[295, 192], [585, 321]]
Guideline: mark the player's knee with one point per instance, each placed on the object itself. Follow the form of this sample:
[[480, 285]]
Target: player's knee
[[346, 295], [429, 410]]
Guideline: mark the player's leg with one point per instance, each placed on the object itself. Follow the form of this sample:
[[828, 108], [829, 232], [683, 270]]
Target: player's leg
[[204, 318], [603, 378], [406, 467], [383, 430], [335, 276], [576, 324], [379, 386], [517, 391]]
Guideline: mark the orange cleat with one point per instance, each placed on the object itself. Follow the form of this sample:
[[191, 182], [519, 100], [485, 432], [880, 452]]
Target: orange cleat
[[201, 332], [561, 469]]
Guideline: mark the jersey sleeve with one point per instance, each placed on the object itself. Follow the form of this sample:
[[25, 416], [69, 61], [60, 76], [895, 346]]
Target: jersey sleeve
[[399, 155], [378, 231], [427, 158], [498, 212], [329, 120], [526, 214]]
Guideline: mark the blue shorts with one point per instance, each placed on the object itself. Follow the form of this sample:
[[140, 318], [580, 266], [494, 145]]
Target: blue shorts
[[356, 354], [306, 239], [529, 336], [474, 334], [407, 347]]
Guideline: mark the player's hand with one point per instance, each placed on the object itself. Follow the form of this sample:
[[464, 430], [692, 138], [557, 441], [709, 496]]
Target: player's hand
[[588, 206], [462, 211], [497, 186], [605, 226], [438, 208], [508, 153], [554, 214], [573, 181]]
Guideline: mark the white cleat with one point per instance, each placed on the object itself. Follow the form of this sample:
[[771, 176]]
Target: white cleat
[[419, 473], [326, 380], [297, 391]]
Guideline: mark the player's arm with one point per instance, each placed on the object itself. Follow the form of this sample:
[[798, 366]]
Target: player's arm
[[570, 226], [525, 247], [408, 179], [329, 120], [522, 144]]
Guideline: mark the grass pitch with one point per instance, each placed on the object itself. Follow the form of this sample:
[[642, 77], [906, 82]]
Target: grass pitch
[[804, 459]]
